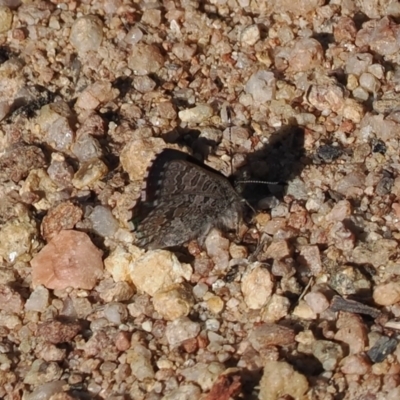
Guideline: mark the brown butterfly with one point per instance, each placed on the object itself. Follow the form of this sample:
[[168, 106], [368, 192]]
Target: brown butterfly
[[183, 199]]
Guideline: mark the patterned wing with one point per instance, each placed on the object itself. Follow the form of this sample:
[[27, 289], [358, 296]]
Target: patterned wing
[[171, 223], [184, 201], [174, 173]]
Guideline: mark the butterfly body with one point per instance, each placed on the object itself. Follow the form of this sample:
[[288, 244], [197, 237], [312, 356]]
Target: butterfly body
[[185, 200]]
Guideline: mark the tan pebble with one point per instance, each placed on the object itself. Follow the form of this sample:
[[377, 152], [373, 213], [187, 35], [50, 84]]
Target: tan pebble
[[157, 270], [257, 286], [279, 380], [215, 304], [278, 250], [174, 302], [304, 311], [117, 263], [387, 294]]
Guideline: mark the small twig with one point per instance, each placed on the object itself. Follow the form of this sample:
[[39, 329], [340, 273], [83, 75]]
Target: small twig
[[310, 282]]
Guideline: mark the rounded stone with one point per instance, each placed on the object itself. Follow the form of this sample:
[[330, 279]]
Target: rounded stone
[[87, 33]]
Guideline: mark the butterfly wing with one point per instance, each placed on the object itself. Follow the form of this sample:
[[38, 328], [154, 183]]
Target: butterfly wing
[[185, 201], [171, 223], [169, 176]]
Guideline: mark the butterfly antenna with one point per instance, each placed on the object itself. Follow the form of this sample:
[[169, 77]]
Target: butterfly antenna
[[262, 182]]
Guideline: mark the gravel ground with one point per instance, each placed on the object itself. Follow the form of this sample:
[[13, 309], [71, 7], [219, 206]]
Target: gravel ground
[[305, 305]]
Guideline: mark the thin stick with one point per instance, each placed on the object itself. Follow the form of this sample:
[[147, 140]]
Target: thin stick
[[310, 282]]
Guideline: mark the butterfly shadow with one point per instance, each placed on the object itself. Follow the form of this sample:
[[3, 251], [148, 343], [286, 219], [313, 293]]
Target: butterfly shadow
[[279, 161]]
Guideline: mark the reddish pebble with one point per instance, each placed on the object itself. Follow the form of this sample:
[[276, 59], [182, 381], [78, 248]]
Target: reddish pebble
[[70, 259], [122, 341]]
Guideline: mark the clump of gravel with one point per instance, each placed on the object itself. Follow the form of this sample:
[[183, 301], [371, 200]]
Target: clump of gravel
[[300, 92]]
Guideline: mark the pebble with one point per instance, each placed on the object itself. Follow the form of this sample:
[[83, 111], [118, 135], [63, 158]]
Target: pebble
[[217, 248], [369, 82], [204, 374], [307, 54], [342, 237], [174, 302], [17, 161], [63, 216], [376, 70], [358, 63], [144, 84], [268, 334], [378, 253], [57, 332], [158, 270], [116, 313], [327, 98], [134, 35], [119, 260], [349, 280], [257, 286], [56, 123], [116, 291], [87, 33], [280, 379], [345, 30], [103, 221], [215, 304], [9, 321], [122, 341], [136, 156], [304, 311], [180, 330], [387, 294], [16, 239], [238, 251], [196, 115], [139, 360], [261, 86], [60, 172], [10, 300], [39, 190], [96, 94], [380, 36], [278, 250], [328, 153], [185, 391], [6, 18], [86, 147], [352, 331], [250, 35], [328, 353], [340, 211], [200, 290], [78, 307], [69, 260], [276, 308], [145, 59], [213, 325], [89, 173], [184, 51], [356, 364], [38, 300], [151, 17], [317, 301], [310, 256], [47, 390]]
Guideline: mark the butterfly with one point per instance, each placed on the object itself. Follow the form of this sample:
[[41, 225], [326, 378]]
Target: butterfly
[[183, 199]]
